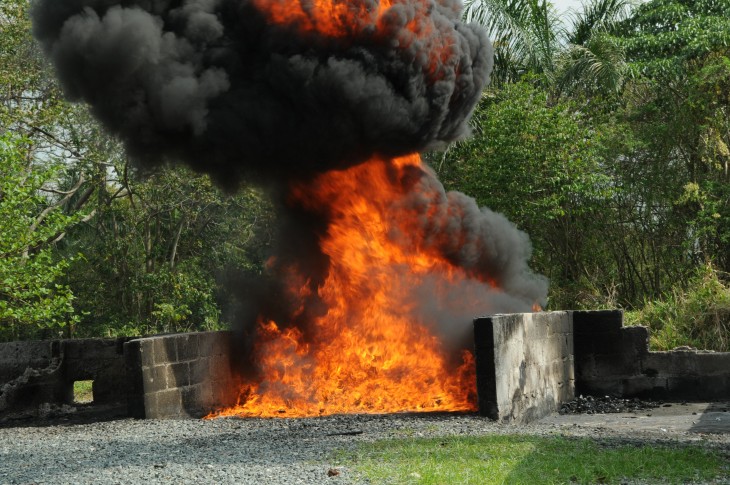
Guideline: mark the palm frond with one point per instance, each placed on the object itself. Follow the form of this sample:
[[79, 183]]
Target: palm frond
[[523, 31], [597, 64], [597, 16]]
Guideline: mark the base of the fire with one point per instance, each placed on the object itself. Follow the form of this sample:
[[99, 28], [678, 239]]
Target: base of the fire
[[526, 366]]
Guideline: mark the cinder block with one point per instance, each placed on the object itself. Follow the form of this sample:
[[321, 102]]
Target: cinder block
[[636, 338], [712, 363], [584, 344], [200, 370], [560, 323], [164, 351], [485, 367], [179, 374], [187, 346], [89, 349], [156, 378], [712, 388], [520, 377], [219, 369], [610, 344], [669, 364], [585, 366], [643, 386], [133, 355], [197, 400], [146, 352], [600, 321], [218, 343], [599, 387], [615, 365], [540, 329], [165, 404], [685, 388]]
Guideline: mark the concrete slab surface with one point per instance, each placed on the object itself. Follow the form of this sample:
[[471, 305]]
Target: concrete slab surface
[[670, 418]]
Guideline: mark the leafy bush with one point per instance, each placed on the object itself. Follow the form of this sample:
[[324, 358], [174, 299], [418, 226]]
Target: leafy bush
[[697, 315], [32, 299]]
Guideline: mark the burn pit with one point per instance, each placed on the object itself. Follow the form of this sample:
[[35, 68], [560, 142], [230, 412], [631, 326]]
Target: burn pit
[[369, 296]]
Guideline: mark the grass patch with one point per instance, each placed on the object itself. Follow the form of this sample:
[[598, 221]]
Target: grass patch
[[697, 315], [530, 460], [83, 392]]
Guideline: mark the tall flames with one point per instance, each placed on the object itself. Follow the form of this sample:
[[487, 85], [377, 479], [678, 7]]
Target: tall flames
[[367, 353]]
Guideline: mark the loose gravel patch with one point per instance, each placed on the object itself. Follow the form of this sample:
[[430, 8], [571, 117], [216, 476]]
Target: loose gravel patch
[[231, 450], [606, 404]]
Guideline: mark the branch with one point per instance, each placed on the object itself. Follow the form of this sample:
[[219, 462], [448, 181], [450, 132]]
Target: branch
[[41, 217]]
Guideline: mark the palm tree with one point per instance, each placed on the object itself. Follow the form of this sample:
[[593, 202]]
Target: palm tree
[[591, 57], [529, 36], [524, 34]]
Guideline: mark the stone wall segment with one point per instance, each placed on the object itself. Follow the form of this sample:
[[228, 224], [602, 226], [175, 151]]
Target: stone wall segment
[[614, 360], [524, 365], [182, 375]]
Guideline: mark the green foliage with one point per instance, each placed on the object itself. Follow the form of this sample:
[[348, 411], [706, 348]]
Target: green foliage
[[525, 35], [663, 35], [621, 181], [540, 165], [83, 392], [156, 250], [30, 294], [678, 106], [697, 316], [530, 38], [528, 460]]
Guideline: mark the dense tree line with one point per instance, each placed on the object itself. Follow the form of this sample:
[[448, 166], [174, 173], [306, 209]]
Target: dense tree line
[[604, 136]]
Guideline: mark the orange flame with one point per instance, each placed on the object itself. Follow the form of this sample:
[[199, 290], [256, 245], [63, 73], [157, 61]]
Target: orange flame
[[367, 353], [412, 25]]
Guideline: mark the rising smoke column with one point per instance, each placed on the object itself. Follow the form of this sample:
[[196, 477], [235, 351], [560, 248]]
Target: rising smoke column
[[214, 83], [232, 90]]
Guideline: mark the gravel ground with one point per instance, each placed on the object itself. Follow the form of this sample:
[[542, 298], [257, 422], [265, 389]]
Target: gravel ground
[[240, 451]]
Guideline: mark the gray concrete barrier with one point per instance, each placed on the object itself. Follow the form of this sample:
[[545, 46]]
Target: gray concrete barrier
[[180, 375], [611, 359], [38, 373], [524, 364]]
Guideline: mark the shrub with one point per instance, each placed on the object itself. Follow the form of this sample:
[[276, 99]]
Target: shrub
[[695, 315]]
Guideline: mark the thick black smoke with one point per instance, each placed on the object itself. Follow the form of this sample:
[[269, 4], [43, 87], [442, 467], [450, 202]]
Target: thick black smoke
[[212, 83]]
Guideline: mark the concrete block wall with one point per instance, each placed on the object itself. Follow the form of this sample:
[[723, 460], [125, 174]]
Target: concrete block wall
[[16, 357], [525, 366], [181, 375], [614, 360], [43, 372], [100, 360]]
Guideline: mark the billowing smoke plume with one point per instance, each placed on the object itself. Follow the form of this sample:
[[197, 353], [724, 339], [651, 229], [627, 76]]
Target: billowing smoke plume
[[216, 84], [228, 88]]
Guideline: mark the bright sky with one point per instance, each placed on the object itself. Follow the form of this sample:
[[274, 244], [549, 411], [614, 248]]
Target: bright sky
[[564, 5]]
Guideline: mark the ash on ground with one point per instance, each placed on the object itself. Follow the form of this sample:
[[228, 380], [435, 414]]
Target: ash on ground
[[606, 404]]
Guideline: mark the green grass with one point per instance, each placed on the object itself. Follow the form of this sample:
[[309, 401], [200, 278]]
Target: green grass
[[83, 392], [696, 314], [530, 460]]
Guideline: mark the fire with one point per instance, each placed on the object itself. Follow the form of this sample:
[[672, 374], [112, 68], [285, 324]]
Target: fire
[[347, 21], [367, 353]]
